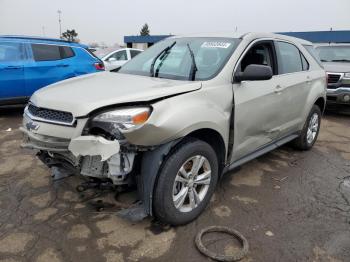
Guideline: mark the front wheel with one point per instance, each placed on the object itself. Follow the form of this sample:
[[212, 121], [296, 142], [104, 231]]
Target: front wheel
[[186, 182], [310, 131]]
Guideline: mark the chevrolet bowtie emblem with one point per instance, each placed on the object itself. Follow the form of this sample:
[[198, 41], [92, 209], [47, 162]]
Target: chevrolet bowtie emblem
[[32, 126]]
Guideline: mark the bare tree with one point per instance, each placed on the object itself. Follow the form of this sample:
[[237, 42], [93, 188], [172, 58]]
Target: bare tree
[[70, 35], [144, 30]]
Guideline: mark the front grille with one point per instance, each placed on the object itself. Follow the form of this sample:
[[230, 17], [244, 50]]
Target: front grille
[[331, 98], [50, 115], [333, 78]]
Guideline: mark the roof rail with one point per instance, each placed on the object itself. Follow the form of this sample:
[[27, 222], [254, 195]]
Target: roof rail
[[35, 38]]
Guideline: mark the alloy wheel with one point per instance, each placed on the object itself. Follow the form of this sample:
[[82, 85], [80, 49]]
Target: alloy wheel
[[191, 183], [312, 128]]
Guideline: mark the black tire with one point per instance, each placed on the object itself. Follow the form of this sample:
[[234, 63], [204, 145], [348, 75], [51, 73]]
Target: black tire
[[163, 204], [301, 143]]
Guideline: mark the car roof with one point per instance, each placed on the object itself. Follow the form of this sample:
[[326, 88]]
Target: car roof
[[38, 39], [248, 36], [332, 44]]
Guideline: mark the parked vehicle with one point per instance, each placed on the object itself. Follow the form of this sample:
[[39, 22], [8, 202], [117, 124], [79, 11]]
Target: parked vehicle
[[117, 58], [29, 63], [336, 61], [179, 115]]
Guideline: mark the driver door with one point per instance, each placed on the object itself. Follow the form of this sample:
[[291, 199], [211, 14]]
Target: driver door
[[257, 118]]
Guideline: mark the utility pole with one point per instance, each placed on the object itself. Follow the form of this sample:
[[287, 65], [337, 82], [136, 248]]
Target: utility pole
[[59, 21], [43, 28]]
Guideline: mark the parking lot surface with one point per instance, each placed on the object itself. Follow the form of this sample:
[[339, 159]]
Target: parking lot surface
[[290, 205]]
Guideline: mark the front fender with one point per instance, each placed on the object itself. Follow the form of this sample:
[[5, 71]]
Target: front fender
[[150, 166], [178, 116]]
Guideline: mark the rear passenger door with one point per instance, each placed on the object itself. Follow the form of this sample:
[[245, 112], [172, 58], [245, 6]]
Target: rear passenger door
[[12, 58], [293, 87], [50, 63]]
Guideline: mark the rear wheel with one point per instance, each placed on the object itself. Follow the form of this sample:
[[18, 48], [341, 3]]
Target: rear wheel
[[186, 182], [310, 131]]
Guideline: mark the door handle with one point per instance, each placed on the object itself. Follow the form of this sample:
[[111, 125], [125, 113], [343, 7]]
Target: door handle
[[278, 89], [63, 65], [308, 80], [13, 67]]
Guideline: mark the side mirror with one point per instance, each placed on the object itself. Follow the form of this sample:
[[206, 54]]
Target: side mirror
[[254, 72], [111, 59]]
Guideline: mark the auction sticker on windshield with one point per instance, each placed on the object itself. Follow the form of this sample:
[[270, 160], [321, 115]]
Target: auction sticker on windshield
[[216, 45]]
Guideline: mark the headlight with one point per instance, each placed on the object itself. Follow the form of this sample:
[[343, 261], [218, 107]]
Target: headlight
[[347, 75], [126, 118]]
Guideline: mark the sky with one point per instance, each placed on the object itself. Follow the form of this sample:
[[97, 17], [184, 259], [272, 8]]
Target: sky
[[109, 21]]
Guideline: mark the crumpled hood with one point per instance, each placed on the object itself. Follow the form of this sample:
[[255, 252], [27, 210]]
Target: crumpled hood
[[81, 95], [337, 67]]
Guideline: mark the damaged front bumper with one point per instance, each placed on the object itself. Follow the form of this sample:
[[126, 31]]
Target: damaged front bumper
[[65, 149], [90, 155]]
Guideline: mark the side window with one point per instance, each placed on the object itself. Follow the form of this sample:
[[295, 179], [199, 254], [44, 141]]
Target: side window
[[304, 62], [66, 52], [11, 52], [121, 55], [134, 53], [289, 58], [46, 52], [259, 54]]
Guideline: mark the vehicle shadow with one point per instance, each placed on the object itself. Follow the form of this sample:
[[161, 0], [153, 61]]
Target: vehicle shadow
[[12, 112], [339, 111]]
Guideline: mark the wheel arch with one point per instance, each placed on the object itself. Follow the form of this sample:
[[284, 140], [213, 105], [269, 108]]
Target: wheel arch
[[215, 140], [152, 161], [321, 103]]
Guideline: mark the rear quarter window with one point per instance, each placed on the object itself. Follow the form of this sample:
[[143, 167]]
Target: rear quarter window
[[66, 52], [134, 53], [313, 52]]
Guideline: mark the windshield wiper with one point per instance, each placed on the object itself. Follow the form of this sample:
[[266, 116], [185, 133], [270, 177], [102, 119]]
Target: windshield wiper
[[165, 50], [323, 60], [194, 68], [341, 60]]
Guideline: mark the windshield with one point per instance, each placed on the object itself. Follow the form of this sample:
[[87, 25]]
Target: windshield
[[334, 53], [172, 58]]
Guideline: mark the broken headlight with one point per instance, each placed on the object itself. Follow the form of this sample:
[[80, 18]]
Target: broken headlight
[[125, 119]]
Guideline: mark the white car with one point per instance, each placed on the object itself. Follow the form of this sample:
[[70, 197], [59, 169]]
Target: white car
[[178, 116], [119, 57]]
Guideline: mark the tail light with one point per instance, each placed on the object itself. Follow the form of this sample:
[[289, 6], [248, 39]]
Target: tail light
[[99, 66]]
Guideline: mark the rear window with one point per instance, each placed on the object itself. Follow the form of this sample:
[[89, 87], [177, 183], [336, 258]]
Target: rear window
[[91, 53], [42, 52]]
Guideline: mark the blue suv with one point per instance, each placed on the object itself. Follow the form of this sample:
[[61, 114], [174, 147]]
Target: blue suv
[[29, 63]]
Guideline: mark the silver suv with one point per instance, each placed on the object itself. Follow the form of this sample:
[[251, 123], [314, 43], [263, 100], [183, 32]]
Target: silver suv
[[336, 61], [178, 116]]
